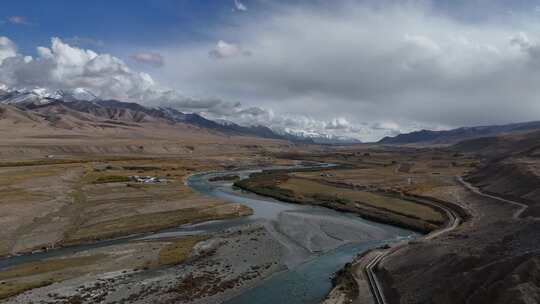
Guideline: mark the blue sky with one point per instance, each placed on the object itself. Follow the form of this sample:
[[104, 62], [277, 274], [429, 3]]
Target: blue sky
[[150, 22], [359, 68], [144, 22], [110, 25]]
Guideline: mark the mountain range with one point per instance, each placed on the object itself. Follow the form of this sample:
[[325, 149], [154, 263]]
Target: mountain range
[[428, 137], [72, 109], [61, 105]]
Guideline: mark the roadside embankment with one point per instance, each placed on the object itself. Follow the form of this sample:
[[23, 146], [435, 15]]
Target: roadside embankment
[[351, 285], [364, 267]]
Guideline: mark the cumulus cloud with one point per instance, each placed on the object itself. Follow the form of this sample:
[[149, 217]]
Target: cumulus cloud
[[7, 48], [227, 50], [148, 58], [339, 123], [240, 6], [63, 67]]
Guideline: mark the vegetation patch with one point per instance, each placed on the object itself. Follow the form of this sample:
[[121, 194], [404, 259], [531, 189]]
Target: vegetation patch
[[13, 288], [228, 177], [47, 266], [175, 253], [146, 223], [111, 179], [141, 168]]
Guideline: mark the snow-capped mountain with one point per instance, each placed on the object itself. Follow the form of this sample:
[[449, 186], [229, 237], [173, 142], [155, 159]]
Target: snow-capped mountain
[[77, 94], [24, 97], [320, 138], [41, 96]]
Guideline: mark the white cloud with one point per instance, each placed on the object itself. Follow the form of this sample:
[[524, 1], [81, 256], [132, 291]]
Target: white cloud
[[62, 66], [423, 42], [240, 6], [148, 58], [7, 48], [338, 123], [65, 67], [227, 50]]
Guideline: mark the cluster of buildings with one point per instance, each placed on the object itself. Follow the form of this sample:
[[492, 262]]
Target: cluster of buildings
[[148, 179]]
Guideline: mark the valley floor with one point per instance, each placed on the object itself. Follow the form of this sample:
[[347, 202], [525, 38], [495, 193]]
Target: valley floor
[[74, 198]]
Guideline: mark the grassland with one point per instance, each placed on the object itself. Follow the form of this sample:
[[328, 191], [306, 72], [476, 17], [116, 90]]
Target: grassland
[[54, 202], [373, 183], [65, 161], [150, 222], [46, 205], [47, 266], [316, 190], [111, 179]]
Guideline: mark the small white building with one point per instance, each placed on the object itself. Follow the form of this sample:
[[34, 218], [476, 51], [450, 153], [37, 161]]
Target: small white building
[[148, 179]]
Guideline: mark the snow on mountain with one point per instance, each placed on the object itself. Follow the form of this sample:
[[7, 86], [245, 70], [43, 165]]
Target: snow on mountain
[[42, 96], [224, 122], [23, 98], [320, 138], [77, 94]]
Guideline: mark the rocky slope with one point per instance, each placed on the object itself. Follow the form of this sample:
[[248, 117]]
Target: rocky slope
[[494, 256]]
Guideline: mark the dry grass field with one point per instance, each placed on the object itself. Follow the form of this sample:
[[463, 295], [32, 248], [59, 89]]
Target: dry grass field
[[428, 172], [304, 187], [371, 181], [49, 205]]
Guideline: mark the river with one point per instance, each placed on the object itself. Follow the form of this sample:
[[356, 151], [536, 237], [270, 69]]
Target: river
[[315, 242]]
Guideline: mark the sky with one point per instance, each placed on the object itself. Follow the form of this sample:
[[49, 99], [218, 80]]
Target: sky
[[364, 69]]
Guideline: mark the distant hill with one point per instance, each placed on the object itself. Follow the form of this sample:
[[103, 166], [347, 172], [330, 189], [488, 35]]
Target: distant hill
[[512, 144], [460, 134]]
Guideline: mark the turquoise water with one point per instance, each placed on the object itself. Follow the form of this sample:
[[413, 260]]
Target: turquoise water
[[308, 283]]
